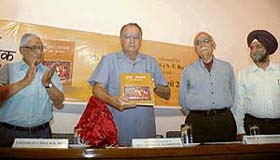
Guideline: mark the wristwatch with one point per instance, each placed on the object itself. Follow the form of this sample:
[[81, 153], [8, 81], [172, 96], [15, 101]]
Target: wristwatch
[[48, 86]]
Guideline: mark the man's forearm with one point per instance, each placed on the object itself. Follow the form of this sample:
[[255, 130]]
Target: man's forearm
[[56, 96], [102, 94], [7, 91]]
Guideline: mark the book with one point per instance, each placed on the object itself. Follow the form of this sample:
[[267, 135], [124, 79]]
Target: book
[[61, 53], [137, 88]]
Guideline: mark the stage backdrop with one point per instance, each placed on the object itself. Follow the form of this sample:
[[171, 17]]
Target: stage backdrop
[[78, 53]]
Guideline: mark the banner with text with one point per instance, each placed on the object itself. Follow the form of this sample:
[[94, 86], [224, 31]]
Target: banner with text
[[78, 53]]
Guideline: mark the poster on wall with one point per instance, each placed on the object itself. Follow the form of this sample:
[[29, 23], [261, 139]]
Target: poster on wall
[[77, 54], [61, 53], [8, 34]]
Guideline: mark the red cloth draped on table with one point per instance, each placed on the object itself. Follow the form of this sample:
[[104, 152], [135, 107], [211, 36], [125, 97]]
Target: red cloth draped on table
[[97, 125]]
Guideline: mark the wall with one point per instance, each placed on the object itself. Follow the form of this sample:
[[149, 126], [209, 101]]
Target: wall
[[172, 21]]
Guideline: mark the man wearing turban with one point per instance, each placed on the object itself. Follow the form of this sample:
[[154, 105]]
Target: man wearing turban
[[257, 102]]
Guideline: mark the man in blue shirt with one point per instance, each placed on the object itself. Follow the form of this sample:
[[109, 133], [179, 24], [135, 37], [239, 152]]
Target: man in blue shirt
[[207, 93], [131, 121], [28, 90]]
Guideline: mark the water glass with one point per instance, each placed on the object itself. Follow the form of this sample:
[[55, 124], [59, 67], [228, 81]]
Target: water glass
[[254, 130], [77, 137], [186, 134]]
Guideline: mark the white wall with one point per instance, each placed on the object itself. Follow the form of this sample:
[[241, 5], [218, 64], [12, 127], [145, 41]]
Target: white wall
[[172, 21]]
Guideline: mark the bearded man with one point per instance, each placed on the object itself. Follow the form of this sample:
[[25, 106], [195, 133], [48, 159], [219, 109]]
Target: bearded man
[[257, 102]]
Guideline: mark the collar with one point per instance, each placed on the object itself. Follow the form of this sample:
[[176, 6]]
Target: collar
[[122, 55], [201, 63], [270, 67], [210, 63]]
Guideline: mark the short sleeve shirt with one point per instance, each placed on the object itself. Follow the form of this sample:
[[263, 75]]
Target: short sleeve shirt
[[136, 122]]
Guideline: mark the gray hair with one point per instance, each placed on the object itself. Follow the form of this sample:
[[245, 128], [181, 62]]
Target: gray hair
[[26, 37]]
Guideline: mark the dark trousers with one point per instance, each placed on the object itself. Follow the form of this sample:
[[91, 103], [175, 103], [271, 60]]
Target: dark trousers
[[8, 133], [212, 126], [266, 125]]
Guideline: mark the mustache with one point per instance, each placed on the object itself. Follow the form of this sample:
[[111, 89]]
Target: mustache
[[259, 57], [203, 48], [37, 56]]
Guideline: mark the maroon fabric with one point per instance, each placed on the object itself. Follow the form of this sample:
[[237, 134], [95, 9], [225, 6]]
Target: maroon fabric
[[97, 124], [208, 65]]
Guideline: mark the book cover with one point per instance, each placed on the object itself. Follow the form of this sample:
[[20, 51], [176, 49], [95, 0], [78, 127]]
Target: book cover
[[61, 53], [138, 88]]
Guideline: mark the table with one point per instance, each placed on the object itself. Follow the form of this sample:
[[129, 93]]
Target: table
[[201, 152]]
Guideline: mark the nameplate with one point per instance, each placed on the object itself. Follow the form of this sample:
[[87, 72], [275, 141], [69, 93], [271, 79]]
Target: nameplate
[[156, 142], [261, 139], [40, 143]]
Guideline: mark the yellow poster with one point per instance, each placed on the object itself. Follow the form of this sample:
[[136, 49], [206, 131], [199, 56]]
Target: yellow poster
[[78, 53]]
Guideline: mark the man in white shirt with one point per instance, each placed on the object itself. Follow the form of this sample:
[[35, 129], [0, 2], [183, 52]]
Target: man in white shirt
[[257, 100]]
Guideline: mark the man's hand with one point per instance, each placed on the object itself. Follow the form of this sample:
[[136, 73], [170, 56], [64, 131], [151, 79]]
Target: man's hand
[[118, 102], [163, 91], [46, 79], [121, 103], [31, 72]]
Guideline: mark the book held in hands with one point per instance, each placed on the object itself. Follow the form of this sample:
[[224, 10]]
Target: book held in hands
[[137, 88]]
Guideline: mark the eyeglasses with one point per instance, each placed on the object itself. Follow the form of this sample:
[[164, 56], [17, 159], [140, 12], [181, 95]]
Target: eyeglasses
[[34, 48], [205, 40], [131, 36]]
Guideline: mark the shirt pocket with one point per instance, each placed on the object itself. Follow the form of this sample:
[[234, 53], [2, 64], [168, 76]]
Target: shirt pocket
[[275, 85]]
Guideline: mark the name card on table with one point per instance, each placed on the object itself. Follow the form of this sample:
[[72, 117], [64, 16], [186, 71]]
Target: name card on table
[[261, 139], [40, 143], [156, 142]]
